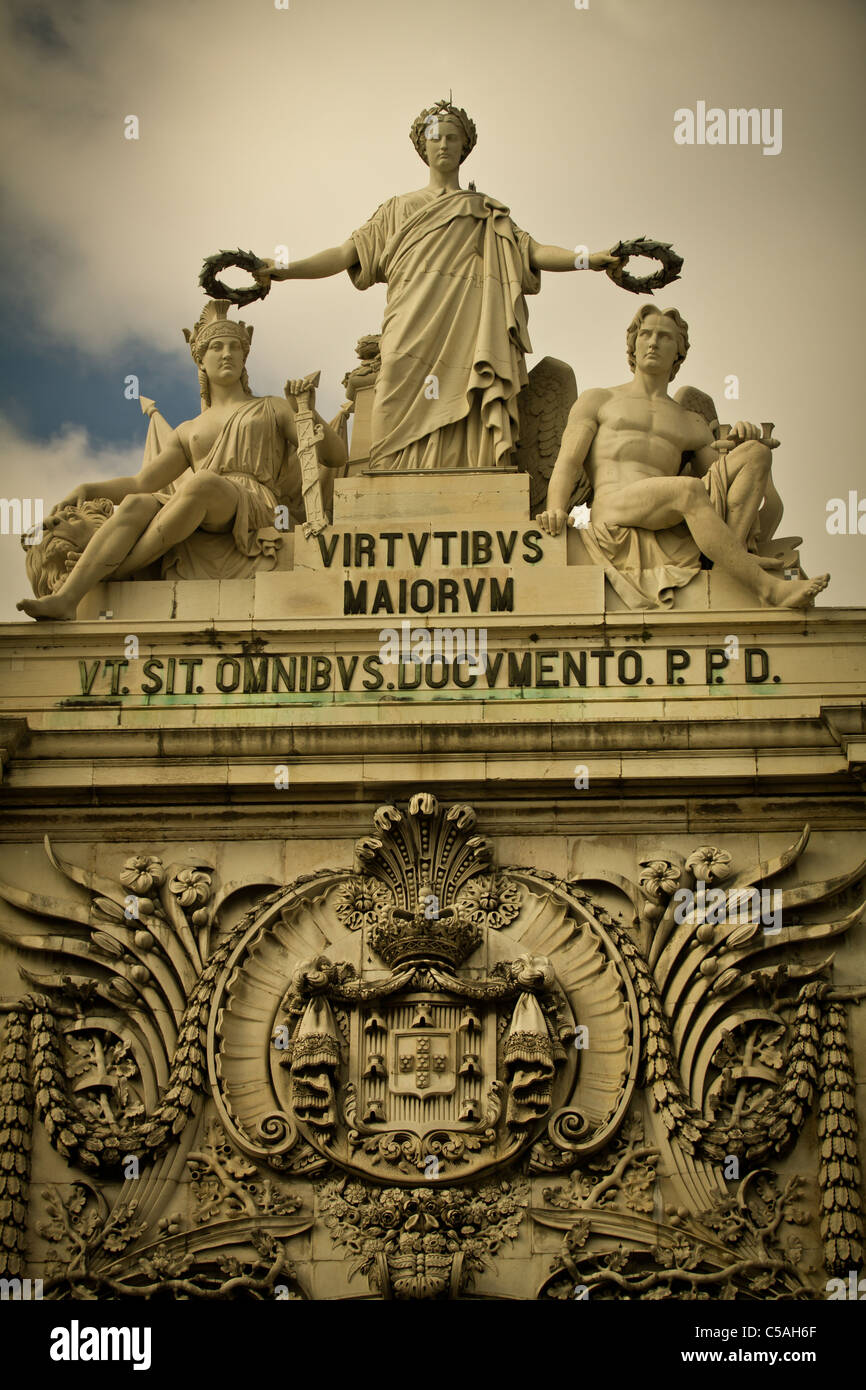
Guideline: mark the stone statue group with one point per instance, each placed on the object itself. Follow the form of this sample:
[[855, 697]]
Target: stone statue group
[[665, 491]]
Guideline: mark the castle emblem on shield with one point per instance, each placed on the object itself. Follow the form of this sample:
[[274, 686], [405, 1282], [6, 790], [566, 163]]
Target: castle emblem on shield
[[436, 1051]]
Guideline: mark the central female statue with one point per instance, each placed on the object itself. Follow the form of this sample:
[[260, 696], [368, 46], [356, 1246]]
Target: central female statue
[[455, 335]]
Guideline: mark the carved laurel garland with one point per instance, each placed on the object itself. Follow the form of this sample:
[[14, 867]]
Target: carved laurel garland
[[839, 1171], [102, 1147], [16, 1113], [818, 1060], [695, 971], [782, 1118]]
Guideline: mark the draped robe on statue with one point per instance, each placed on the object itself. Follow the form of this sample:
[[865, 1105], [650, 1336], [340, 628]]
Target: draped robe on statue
[[646, 567], [455, 332], [252, 455]]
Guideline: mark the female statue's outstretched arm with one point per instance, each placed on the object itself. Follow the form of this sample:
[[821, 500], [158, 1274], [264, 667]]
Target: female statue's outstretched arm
[[558, 258], [317, 267]]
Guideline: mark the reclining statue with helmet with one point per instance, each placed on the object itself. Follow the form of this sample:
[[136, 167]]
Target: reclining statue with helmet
[[221, 477]]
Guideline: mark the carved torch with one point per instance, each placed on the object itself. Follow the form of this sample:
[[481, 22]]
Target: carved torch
[[310, 433]]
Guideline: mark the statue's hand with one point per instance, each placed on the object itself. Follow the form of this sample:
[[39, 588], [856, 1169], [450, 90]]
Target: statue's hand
[[553, 521], [268, 271], [297, 387], [600, 260], [79, 494], [743, 431]]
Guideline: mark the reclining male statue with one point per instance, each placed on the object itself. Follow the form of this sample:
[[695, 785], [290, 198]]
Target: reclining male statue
[[234, 465], [632, 440]]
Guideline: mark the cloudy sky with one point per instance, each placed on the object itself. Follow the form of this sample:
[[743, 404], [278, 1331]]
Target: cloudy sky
[[261, 126]]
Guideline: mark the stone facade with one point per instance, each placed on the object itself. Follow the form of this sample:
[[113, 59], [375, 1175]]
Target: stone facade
[[530, 973]]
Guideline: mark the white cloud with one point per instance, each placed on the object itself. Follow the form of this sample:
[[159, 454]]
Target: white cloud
[[262, 126], [47, 470]]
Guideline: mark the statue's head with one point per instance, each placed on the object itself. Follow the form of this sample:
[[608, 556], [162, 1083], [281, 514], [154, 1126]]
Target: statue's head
[[443, 135], [65, 533], [657, 338], [219, 347]]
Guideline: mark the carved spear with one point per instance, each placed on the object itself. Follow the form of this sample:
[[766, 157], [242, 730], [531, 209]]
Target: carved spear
[[310, 433]]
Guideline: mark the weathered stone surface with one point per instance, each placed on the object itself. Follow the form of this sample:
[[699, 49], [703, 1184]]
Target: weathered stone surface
[[194, 806], [403, 910]]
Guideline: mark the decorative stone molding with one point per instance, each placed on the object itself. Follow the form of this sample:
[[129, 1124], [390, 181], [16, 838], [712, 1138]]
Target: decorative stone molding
[[432, 1039]]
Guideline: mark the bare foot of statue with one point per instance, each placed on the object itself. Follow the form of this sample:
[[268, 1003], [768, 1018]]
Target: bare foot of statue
[[770, 562], [797, 593], [52, 607]]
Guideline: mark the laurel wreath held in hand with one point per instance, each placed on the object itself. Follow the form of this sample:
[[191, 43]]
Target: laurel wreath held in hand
[[662, 251], [245, 260]]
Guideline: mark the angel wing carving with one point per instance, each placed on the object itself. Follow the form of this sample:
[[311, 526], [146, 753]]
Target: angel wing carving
[[128, 970], [543, 406], [692, 398], [738, 1015]]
